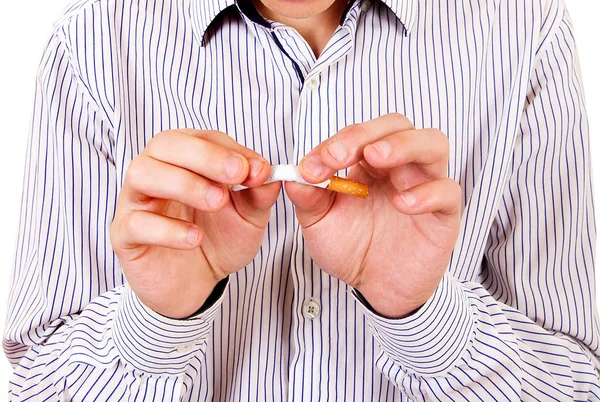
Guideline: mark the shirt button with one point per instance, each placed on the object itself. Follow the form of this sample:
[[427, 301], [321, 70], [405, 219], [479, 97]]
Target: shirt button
[[313, 83], [365, 6], [311, 309]]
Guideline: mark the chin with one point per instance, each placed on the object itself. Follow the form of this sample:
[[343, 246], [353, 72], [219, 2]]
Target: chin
[[297, 9]]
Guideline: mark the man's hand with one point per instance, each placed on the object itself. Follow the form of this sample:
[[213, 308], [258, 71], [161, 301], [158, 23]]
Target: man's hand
[[395, 246], [177, 229]]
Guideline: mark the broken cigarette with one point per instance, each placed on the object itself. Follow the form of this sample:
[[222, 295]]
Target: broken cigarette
[[337, 184]]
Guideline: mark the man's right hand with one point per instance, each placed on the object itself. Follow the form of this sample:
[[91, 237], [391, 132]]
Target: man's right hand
[[177, 229]]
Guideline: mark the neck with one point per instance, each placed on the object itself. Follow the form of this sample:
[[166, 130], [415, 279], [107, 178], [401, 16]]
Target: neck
[[316, 29]]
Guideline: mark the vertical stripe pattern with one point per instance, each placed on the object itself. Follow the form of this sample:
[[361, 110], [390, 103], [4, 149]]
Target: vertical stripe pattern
[[513, 318]]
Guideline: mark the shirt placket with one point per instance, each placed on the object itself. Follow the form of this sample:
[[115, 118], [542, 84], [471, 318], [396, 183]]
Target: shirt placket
[[312, 125]]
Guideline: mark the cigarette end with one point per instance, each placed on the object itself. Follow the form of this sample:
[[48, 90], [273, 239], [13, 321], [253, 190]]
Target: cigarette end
[[350, 187]]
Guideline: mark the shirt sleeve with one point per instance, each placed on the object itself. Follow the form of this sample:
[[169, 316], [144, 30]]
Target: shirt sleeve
[[529, 330], [75, 330]]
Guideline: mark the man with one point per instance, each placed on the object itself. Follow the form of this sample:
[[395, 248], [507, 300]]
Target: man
[[467, 273]]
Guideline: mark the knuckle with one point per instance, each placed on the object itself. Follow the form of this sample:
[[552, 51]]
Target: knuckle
[[453, 187], [402, 139], [189, 185], [135, 172], [440, 136], [190, 189], [450, 182], [400, 119], [210, 135], [442, 141], [160, 135], [213, 137], [190, 131], [114, 234], [445, 151], [351, 129], [130, 223], [157, 142], [354, 131]]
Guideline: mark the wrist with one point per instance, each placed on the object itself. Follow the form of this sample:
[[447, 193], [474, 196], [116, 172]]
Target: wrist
[[382, 312], [182, 301], [213, 298], [388, 302], [391, 308]]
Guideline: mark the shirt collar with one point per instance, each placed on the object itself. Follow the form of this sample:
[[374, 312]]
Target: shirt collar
[[204, 13]]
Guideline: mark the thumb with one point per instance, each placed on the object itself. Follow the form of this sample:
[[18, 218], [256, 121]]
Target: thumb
[[312, 203]]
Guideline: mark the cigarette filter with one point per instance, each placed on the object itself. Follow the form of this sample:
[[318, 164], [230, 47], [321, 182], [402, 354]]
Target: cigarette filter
[[346, 186]]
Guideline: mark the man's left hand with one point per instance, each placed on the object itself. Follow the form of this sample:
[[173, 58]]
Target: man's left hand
[[394, 246]]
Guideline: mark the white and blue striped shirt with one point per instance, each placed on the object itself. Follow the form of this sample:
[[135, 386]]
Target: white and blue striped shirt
[[514, 317]]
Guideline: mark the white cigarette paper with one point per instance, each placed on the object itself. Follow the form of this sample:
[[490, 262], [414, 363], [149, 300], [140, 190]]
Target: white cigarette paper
[[285, 173], [291, 173]]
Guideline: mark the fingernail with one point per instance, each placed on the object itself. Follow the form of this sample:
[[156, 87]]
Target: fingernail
[[256, 166], [313, 165], [193, 235], [409, 199], [383, 147], [337, 149], [214, 195], [233, 167]]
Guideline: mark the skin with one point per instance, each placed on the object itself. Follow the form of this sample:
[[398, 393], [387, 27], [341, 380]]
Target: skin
[[315, 20], [178, 230], [395, 246], [176, 224]]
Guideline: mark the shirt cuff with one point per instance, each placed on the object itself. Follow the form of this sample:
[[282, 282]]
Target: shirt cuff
[[155, 344], [431, 340]]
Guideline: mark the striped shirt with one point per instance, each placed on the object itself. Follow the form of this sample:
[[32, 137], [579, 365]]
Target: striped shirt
[[513, 318]]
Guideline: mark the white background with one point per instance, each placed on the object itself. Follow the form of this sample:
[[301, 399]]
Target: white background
[[24, 30]]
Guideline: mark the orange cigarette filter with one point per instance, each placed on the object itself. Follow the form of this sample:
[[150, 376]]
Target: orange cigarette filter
[[349, 187]]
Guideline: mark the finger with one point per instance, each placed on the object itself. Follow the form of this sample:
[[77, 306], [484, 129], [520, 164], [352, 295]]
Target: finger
[[441, 196], [143, 228], [346, 147], [259, 167], [429, 148], [222, 139], [310, 203], [149, 178], [222, 161], [254, 204]]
